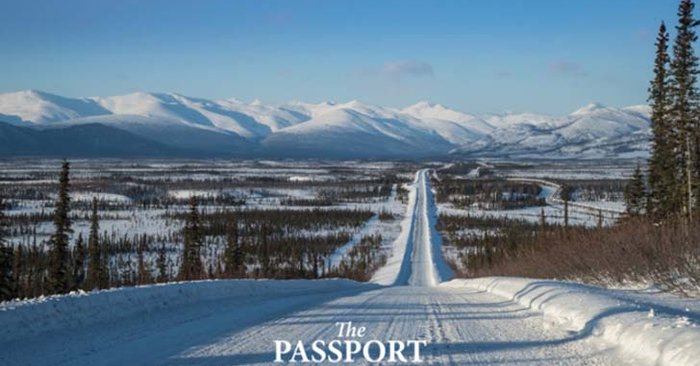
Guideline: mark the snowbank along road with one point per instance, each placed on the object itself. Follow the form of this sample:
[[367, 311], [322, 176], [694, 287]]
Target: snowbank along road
[[496, 321]]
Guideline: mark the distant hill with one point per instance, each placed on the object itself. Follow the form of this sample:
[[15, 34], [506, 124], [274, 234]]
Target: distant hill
[[86, 140]]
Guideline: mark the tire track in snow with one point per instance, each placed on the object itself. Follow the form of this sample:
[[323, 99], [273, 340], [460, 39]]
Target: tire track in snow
[[428, 267]]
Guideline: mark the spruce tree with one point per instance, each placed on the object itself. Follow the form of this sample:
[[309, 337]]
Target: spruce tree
[[8, 286], [663, 200], [684, 105], [191, 267], [635, 193], [3, 223], [543, 219], [105, 263], [264, 254], [95, 275], [143, 272], [7, 283], [161, 263], [59, 277], [17, 272], [79, 263], [565, 194], [233, 255]]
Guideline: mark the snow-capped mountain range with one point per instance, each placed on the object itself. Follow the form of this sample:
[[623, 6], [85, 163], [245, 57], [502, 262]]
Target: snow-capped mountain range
[[173, 124]]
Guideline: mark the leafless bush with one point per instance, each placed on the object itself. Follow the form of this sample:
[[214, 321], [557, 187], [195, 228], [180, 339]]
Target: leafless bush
[[636, 250]]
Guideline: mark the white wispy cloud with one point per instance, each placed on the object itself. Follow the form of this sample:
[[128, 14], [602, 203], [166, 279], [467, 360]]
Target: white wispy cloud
[[567, 68], [407, 68]]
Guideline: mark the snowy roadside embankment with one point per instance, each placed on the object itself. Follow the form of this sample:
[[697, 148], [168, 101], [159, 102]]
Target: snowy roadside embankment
[[654, 331], [395, 271], [26, 318]]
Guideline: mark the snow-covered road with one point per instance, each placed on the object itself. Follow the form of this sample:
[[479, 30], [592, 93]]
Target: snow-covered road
[[464, 322], [428, 268], [464, 327]]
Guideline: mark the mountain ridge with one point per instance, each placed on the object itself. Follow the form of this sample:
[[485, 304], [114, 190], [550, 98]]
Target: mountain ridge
[[337, 130]]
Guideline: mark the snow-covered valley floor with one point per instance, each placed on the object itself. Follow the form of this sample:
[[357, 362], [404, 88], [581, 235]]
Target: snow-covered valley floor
[[491, 321]]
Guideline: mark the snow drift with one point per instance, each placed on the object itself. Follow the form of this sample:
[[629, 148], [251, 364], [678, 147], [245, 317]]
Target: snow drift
[[651, 331]]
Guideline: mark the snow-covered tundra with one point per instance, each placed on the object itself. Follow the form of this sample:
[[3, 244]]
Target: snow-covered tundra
[[489, 321]]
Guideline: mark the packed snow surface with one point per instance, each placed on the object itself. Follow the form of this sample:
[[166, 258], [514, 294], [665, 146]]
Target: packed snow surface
[[487, 321]]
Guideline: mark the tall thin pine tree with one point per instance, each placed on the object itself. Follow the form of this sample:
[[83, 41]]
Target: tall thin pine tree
[[191, 267], [684, 106], [143, 272], [8, 286], [18, 272], [95, 272], [59, 277], [662, 200], [635, 193], [79, 263], [264, 259], [233, 255], [162, 264], [565, 194]]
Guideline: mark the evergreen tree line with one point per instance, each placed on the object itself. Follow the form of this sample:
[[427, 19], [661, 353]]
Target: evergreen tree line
[[362, 260], [6, 259], [496, 194], [256, 244], [278, 221], [32, 271], [671, 187], [60, 270]]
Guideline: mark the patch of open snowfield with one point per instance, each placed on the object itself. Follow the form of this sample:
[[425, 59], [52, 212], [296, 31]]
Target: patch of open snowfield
[[551, 177], [578, 170], [184, 194], [132, 223], [28, 181], [554, 214], [617, 206], [100, 196]]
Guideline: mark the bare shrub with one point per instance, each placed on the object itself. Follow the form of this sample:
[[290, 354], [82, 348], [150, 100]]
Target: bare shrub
[[636, 250]]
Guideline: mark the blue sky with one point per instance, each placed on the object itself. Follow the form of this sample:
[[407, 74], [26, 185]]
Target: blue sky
[[480, 56]]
